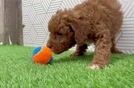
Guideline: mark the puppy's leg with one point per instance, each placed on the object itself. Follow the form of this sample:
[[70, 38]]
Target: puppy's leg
[[102, 50], [80, 50]]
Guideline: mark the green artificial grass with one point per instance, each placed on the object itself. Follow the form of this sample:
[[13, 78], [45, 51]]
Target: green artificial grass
[[18, 71]]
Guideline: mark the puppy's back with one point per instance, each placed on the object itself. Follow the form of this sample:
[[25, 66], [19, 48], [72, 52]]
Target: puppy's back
[[112, 4]]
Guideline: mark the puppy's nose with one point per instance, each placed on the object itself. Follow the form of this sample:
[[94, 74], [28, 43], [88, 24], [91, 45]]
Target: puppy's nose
[[49, 45]]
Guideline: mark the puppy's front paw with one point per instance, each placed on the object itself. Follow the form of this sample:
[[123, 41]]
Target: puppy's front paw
[[94, 66]]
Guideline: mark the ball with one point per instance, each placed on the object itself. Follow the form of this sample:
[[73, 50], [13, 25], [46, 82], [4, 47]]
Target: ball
[[42, 55]]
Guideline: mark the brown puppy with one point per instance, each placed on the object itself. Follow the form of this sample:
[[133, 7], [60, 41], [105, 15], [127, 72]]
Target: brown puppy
[[98, 21]]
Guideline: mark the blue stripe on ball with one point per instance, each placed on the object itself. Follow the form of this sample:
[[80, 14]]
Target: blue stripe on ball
[[36, 50]]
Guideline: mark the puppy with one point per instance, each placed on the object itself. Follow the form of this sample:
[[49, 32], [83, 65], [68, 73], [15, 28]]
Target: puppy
[[98, 21]]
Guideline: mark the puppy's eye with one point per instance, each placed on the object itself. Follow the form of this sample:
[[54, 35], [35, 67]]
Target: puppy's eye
[[59, 34]]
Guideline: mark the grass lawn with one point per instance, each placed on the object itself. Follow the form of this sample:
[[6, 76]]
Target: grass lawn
[[18, 71]]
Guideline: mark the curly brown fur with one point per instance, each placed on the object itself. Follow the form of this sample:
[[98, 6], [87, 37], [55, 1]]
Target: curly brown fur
[[98, 21]]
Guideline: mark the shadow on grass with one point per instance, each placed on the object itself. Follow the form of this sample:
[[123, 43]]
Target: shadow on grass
[[87, 58], [67, 58]]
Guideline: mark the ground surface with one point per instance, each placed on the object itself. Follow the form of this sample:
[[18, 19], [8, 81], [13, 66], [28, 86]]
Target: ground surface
[[18, 71]]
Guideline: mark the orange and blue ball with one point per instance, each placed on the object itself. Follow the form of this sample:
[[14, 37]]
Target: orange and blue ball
[[42, 55]]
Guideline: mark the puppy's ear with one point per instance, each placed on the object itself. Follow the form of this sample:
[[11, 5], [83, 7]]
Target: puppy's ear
[[68, 20], [77, 26], [79, 33], [72, 19]]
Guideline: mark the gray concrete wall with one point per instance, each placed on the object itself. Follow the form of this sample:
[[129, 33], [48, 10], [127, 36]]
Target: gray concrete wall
[[1, 19], [11, 22]]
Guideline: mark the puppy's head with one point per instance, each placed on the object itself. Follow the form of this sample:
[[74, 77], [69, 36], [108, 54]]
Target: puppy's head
[[61, 36]]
